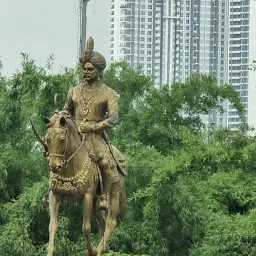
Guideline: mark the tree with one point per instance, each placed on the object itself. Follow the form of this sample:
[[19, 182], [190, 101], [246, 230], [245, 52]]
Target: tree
[[155, 116], [181, 186], [28, 94]]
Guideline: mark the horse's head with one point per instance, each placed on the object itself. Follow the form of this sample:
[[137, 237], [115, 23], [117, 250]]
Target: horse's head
[[57, 137]]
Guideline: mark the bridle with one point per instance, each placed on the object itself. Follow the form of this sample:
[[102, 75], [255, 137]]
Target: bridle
[[63, 156]]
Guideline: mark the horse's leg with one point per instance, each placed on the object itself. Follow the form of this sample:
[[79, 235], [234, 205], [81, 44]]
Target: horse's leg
[[87, 212], [110, 224], [100, 219], [54, 204]]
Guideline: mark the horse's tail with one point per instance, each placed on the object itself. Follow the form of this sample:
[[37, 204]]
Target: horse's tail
[[122, 202]]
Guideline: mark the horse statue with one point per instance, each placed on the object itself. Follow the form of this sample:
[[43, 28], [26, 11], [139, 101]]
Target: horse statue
[[75, 175]]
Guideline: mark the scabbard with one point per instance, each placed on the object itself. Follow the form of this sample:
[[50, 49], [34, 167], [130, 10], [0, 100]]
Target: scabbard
[[119, 167]]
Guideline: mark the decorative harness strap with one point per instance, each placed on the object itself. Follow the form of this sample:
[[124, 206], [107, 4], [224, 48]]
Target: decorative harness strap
[[72, 156]]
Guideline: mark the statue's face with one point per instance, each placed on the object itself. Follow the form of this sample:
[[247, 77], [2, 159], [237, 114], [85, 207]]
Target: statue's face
[[90, 72]]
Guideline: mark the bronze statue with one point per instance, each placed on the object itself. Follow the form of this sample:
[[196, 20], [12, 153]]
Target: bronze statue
[[94, 107], [80, 156]]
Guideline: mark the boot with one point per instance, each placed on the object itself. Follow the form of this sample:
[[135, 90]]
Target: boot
[[104, 198]]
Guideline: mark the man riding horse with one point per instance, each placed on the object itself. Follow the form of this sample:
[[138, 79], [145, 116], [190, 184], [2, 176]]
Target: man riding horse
[[94, 107]]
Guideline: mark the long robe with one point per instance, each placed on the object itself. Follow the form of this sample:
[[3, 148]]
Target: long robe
[[96, 104]]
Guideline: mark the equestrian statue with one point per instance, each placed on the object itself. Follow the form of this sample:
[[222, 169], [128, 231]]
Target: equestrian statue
[[83, 165]]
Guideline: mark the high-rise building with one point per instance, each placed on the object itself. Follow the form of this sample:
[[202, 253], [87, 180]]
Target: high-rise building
[[172, 39], [136, 35], [241, 52]]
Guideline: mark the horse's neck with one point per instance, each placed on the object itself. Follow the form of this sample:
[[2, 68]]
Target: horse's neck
[[73, 145], [74, 139]]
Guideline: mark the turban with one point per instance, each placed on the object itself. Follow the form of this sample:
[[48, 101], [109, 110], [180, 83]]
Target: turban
[[96, 58]]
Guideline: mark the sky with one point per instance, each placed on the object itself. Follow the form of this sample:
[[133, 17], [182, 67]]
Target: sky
[[45, 27]]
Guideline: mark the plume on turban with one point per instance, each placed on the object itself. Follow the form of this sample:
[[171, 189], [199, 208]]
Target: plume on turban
[[96, 58]]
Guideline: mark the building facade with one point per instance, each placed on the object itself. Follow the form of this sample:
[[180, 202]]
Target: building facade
[[172, 39], [242, 51], [136, 35]]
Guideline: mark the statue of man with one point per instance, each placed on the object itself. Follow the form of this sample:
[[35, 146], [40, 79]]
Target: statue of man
[[94, 106]]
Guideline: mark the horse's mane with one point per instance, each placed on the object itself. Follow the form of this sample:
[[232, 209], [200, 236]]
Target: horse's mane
[[58, 115], [65, 114]]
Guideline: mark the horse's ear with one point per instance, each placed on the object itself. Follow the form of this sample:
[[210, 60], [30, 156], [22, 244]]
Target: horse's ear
[[63, 121], [46, 120]]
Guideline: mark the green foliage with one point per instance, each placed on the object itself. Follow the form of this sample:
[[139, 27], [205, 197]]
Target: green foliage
[[129, 84], [155, 116], [190, 191], [28, 94], [116, 254]]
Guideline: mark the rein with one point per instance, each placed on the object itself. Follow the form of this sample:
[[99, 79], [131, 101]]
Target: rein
[[71, 157]]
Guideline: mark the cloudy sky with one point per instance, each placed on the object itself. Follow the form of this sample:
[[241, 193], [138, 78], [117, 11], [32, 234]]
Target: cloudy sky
[[44, 27]]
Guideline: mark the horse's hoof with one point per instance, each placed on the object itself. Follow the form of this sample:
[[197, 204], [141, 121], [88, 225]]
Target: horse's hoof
[[50, 253], [93, 253]]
